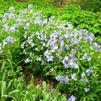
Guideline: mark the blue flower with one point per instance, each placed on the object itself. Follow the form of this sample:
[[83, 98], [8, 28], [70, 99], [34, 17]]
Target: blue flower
[[89, 38], [65, 60], [66, 66], [72, 98], [50, 58], [89, 71], [59, 78], [12, 29], [9, 39], [85, 56], [66, 80], [73, 64]]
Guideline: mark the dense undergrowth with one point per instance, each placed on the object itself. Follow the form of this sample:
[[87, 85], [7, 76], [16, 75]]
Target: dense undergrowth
[[14, 88], [61, 43]]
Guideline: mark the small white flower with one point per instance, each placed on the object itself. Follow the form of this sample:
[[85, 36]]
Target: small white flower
[[85, 56], [30, 40], [25, 34], [73, 76], [66, 79], [83, 75], [50, 58], [38, 58], [22, 45], [86, 89], [30, 6], [11, 9], [6, 27], [66, 66], [12, 29], [27, 60], [24, 51], [65, 60]]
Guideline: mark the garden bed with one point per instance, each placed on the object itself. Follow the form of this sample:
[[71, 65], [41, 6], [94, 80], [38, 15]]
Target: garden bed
[[49, 54]]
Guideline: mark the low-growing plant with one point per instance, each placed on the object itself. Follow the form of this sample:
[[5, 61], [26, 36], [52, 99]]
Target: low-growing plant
[[79, 18], [13, 87], [95, 5]]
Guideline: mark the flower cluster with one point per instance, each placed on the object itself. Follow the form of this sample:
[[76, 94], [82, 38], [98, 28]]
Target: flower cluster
[[72, 98], [7, 41]]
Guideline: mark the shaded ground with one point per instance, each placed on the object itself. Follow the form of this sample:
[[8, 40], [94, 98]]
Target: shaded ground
[[38, 79]]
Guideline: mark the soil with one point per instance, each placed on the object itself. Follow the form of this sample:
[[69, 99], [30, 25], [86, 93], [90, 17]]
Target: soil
[[58, 4], [38, 81]]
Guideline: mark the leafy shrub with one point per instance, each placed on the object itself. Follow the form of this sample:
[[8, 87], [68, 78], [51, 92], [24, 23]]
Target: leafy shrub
[[79, 18], [94, 5]]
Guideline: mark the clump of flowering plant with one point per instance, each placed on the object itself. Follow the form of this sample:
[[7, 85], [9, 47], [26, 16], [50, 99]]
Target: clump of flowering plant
[[56, 49], [64, 53]]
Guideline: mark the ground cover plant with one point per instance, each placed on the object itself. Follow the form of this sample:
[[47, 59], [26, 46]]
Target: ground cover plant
[[79, 18], [14, 88], [51, 46]]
